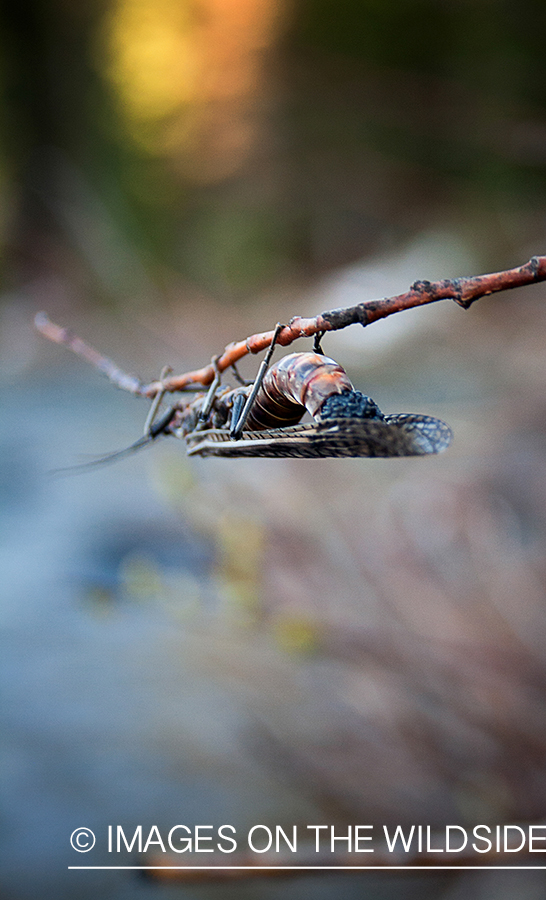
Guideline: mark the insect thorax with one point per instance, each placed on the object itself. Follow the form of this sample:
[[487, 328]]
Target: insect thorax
[[349, 405]]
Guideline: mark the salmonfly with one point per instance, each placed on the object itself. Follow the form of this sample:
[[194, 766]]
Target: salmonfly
[[345, 422], [263, 418]]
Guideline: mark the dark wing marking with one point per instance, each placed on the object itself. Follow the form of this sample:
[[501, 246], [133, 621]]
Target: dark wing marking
[[398, 435]]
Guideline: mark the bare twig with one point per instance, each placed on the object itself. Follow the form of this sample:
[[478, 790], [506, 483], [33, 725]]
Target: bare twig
[[102, 363], [464, 291]]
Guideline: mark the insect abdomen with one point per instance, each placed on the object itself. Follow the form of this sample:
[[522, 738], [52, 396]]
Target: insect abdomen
[[299, 382]]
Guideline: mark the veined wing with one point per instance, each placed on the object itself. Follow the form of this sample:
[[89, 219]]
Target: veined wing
[[398, 435]]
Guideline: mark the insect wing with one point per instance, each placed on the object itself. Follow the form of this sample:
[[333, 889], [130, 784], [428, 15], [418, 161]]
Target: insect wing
[[275, 442], [413, 435], [397, 435]]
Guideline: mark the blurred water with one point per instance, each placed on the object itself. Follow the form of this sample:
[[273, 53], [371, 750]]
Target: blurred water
[[109, 717], [104, 717]]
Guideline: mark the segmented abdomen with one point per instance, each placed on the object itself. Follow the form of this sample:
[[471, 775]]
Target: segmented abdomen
[[299, 382]]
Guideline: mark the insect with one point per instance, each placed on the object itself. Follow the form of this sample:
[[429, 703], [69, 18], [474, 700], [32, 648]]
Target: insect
[[262, 419], [345, 421]]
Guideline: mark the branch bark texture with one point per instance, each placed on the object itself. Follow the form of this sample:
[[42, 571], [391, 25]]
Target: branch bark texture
[[464, 291]]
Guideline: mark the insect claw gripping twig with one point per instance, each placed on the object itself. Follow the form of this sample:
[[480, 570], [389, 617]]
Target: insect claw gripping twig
[[317, 343]]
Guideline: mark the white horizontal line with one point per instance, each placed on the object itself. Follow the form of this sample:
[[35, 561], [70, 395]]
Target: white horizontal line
[[306, 868]]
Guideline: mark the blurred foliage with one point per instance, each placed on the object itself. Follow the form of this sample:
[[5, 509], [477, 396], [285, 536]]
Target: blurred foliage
[[245, 143], [485, 43]]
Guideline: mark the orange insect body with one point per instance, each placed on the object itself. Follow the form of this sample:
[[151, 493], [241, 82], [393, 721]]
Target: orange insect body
[[299, 382]]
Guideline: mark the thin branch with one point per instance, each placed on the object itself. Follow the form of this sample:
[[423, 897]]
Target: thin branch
[[66, 337], [464, 291]]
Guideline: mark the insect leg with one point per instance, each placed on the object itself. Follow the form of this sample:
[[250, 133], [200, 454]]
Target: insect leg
[[242, 381], [156, 402], [209, 400], [160, 427], [238, 421], [236, 415]]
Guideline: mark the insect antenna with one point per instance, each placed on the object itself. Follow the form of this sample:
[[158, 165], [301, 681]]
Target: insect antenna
[[155, 430]]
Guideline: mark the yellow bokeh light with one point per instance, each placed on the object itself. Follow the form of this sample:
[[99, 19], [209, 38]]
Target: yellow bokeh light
[[188, 73], [151, 56]]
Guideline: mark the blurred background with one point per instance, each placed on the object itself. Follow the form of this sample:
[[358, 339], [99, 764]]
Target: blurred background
[[270, 641]]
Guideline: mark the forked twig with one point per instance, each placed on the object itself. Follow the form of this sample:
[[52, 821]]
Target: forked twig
[[464, 291]]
